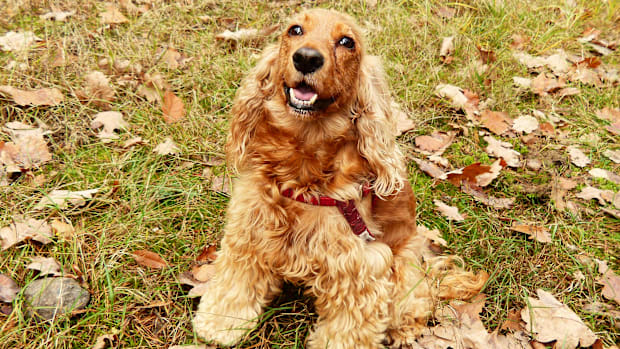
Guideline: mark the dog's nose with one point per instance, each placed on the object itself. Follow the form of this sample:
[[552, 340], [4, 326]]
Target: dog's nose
[[307, 60]]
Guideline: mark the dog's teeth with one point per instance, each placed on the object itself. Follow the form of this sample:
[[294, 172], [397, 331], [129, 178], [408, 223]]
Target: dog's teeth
[[313, 99]]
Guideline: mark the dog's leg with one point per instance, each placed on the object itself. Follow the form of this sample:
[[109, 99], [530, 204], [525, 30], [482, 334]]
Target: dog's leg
[[235, 297], [352, 298]]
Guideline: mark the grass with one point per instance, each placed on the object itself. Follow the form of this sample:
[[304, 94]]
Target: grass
[[164, 204]]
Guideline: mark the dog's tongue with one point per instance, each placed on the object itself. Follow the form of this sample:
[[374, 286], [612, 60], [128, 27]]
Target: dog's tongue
[[304, 93]]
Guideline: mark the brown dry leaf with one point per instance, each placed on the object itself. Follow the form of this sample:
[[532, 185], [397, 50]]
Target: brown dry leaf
[[59, 16], [62, 198], [173, 58], [519, 41], [560, 187], [540, 234], [173, 108], [611, 285], [450, 212], [558, 62], [590, 193], [613, 155], [577, 157], [8, 289], [102, 341], [496, 122], [43, 96], [547, 129], [477, 174], [221, 184], [525, 124], [550, 320], [614, 128], [513, 321], [433, 235], [498, 203], [503, 150], [524, 83], [430, 169], [17, 41], [208, 254], [602, 173], [151, 94], [242, 35], [112, 15], [544, 84], [62, 229], [149, 259], [204, 273], [28, 149], [447, 49], [567, 91], [97, 90], [582, 73], [487, 56], [45, 265], [435, 143], [133, 141], [403, 122], [610, 114], [602, 47], [167, 147], [110, 120], [22, 229], [460, 99]]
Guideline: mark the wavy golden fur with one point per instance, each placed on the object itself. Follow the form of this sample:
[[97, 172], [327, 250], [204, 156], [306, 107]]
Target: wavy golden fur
[[315, 116]]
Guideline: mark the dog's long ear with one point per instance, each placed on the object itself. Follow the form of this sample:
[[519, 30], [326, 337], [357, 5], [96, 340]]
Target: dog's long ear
[[248, 107], [376, 127]]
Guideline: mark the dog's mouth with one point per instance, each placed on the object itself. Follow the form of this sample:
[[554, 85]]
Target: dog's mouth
[[304, 99]]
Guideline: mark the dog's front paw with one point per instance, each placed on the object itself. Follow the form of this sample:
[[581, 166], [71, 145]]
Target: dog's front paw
[[222, 329]]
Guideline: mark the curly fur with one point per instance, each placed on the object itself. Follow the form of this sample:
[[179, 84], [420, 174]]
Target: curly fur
[[366, 293]]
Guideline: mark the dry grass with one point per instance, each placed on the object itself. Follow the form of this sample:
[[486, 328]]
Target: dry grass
[[164, 204]]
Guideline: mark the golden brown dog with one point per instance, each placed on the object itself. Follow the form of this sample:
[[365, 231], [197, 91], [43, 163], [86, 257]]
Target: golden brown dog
[[322, 199]]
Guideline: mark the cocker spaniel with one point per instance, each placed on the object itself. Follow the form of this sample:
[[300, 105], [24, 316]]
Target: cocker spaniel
[[322, 199]]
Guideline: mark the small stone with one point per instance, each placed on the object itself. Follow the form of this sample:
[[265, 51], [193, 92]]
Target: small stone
[[49, 297]]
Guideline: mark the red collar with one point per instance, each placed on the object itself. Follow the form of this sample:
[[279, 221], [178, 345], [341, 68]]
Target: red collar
[[347, 208]]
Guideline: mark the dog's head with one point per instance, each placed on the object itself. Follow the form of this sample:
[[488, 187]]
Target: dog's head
[[319, 62]]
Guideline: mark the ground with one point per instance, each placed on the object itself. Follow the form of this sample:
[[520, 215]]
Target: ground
[[165, 203]]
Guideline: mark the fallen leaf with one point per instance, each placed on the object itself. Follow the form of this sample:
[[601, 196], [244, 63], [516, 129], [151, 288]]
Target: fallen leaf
[[601, 47], [17, 41], [172, 108], [513, 321], [487, 56], [519, 41], [446, 12], [496, 122], [22, 229], [28, 149], [450, 212], [567, 91], [590, 193], [403, 122], [435, 143], [559, 189], [433, 235], [58, 15], [441, 161], [62, 229], [479, 195], [459, 98], [430, 169], [525, 124], [609, 114], [204, 273], [547, 129], [8, 289], [133, 141], [524, 83], [110, 120], [105, 340], [221, 184], [503, 150], [549, 320], [447, 49], [613, 155], [558, 62], [208, 254], [602, 173], [62, 198], [173, 58], [540, 234], [614, 128], [151, 94], [43, 96], [168, 147], [112, 15], [149, 259], [477, 174], [45, 265], [97, 90], [577, 157], [242, 35], [611, 285], [544, 84]]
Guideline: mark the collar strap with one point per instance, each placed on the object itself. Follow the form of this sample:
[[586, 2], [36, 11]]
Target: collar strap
[[347, 208]]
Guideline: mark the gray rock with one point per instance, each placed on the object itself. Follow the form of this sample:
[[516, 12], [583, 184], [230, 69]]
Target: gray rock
[[49, 297]]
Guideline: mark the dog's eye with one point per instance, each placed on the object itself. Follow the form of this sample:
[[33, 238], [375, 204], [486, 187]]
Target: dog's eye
[[347, 42], [295, 31]]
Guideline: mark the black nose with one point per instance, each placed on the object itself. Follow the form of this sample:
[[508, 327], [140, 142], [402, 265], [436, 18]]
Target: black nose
[[307, 60]]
